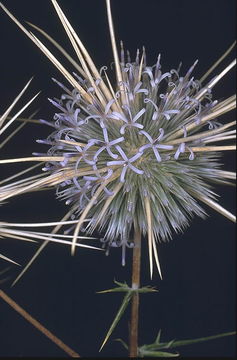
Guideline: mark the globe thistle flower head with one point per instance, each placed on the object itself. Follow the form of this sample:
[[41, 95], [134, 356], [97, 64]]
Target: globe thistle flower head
[[127, 168], [134, 154]]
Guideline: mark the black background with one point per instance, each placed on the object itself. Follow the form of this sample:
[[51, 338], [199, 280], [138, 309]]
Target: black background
[[197, 296]]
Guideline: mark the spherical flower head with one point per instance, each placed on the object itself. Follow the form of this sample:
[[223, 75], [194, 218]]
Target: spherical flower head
[[136, 158]]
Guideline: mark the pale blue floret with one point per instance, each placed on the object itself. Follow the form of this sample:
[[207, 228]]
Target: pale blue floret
[[132, 123], [100, 178], [181, 149], [153, 144], [127, 163], [107, 145], [84, 150]]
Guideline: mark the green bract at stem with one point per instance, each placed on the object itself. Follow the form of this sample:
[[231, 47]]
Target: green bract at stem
[[122, 287]]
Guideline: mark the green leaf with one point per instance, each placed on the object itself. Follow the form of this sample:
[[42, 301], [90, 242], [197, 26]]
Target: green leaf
[[157, 340], [122, 287], [156, 354], [193, 341], [121, 284], [155, 349], [122, 342], [146, 289], [120, 312], [118, 289]]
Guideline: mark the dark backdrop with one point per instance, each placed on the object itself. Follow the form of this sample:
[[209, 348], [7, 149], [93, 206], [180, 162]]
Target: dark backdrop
[[197, 296]]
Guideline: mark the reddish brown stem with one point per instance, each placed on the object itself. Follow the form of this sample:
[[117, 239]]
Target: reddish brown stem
[[136, 264], [37, 325]]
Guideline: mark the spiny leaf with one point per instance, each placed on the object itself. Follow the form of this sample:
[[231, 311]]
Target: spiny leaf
[[118, 316], [193, 341], [154, 349], [118, 289], [157, 340], [146, 289], [121, 284], [122, 287], [122, 342], [159, 354]]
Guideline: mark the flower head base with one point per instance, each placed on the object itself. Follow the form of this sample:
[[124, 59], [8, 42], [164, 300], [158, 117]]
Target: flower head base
[[131, 157]]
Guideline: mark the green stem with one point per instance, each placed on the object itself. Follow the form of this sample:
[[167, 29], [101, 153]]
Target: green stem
[[136, 264]]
